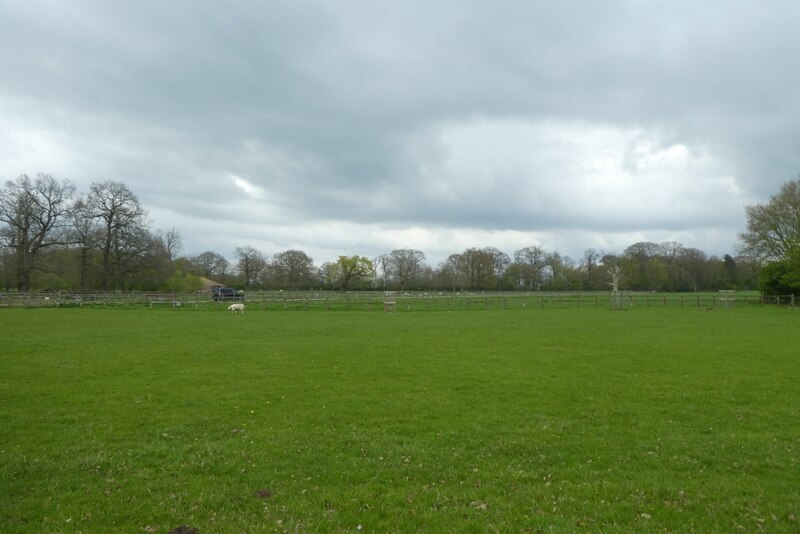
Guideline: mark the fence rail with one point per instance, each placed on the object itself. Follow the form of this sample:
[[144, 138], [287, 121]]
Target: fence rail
[[380, 301]]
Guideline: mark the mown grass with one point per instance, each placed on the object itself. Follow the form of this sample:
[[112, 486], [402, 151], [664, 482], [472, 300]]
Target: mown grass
[[468, 421]]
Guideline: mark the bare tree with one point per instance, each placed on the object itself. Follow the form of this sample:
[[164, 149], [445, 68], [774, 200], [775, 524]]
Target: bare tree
[[211, 263], [449, 273], [477, 266], [615, 271], [86, 235], [405, 266], [121, 218], [139, 259], [292, 268], [221, 266], [35, 216], [383, 269], [530, 262], [329, 273], [500, 264], [589, 264], [250, 263], [6, 267], [561, 274], [173, 241]]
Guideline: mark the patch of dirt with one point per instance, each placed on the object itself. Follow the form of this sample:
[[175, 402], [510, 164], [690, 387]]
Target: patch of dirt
[[183, 529], [264, 493]]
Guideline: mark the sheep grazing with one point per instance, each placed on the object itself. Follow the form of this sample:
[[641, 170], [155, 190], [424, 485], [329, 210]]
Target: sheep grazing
[[236, 308]]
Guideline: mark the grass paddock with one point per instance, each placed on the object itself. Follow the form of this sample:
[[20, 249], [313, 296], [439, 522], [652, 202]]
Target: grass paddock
[[656, 419]]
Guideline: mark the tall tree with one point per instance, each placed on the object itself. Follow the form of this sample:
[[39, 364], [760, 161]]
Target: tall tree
[[291, 269], [35, 215], [448, 275], [477, 267], [405, 266], [6, 267], [500, 263], [122, 220], [347, 270], [645, 267], [530, 263], [86, 235], [250, 262], [691, 271], [773, 229], [140, 260], [211, 263], [172, 240], [221, 266], [592, 275], [383, 270], [773, 237], [561, 273]]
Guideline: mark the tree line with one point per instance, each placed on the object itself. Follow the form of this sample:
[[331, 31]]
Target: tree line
[[52, 237], [648, 267]]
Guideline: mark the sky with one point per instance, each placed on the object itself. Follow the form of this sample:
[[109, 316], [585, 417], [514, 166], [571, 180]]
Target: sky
[[360, 127]]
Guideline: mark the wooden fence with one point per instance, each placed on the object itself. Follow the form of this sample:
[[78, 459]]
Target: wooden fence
[[380, 301]]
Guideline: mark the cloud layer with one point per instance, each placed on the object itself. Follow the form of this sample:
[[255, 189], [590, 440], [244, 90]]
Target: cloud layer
[[356, 127]]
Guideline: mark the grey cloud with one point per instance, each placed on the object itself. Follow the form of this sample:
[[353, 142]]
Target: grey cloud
[[339, 111]]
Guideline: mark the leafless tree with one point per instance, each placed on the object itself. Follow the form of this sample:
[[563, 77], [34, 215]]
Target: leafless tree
[[221, 266], [86, 235], [35, 216], [383, 270], [291, 269], [589, 264], [121, 218], [211, 263], [477, 266], [173, 241], [530, 262], [250, 262], [500, 264], [405, 266]]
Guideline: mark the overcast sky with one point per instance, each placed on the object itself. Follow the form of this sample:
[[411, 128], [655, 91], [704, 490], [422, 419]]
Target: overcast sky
[[359, 127]]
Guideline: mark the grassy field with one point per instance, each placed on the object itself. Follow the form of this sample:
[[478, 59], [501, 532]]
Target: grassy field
[[656, 419]]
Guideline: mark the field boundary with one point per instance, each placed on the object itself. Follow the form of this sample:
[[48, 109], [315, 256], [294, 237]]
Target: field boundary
[[397, 301]]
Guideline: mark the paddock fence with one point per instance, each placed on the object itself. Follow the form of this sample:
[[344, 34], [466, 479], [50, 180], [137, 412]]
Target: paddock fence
[[394, 301]]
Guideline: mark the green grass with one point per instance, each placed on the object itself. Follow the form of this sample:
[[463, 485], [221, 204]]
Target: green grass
[[655, 419]]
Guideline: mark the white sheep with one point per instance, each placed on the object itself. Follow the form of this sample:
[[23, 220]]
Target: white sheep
[[236, 307]]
